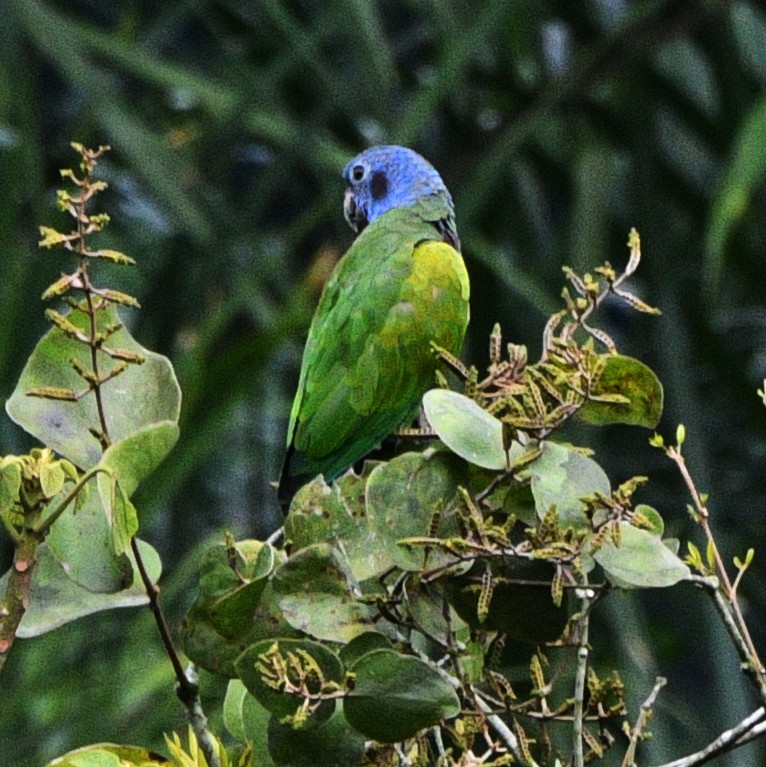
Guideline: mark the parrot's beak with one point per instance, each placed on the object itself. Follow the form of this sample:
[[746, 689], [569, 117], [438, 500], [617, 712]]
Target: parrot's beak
[[353, 213]]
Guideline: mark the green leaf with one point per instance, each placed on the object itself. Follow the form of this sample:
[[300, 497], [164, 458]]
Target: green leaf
[[232, 708], [234, 608], [629, 378], [402, 497], [110, 755], [331, 744], [209, 648], [465, 428], [247, 720], [231, 584], [656, 524], [361, 645], [316, 592], [52, 478], [140, 396], [560, 477], [322, 513], [137, 456], [395, 696], [82, 541], [10, 483], [641, 560], [56, 599], [255, 725], [274, 699]]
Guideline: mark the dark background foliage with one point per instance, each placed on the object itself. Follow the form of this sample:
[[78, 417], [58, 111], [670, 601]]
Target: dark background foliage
[[556, 125]]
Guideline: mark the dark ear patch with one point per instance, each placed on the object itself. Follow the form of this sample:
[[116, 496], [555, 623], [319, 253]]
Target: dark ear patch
[[379, 185]]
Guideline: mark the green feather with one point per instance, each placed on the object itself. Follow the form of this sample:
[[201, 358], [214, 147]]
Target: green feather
[[368, 358]]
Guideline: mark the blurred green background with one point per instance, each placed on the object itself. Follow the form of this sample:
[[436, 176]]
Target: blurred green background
[[557, 126]]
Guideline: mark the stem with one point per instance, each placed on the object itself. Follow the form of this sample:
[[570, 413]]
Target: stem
[[187, 688], [81, 250], [726, 741], [44, 525], [94, 362], [586, 595], [712, 587], [642, 721], [702, 513], [504, 732], [17, 592]]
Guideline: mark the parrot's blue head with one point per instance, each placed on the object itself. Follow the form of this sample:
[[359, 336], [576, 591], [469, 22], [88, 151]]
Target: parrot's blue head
[[386, 177]]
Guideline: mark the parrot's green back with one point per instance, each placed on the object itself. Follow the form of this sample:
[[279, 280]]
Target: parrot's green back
[[368, 359]]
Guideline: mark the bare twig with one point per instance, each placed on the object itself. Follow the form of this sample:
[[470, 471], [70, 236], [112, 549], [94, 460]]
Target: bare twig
[[753, 660], [504, 732], [736, 736], [187, 688], [643, 720], [585, 595]]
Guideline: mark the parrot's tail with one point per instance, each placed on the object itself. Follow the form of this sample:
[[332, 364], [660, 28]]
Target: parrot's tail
[[290, 480]]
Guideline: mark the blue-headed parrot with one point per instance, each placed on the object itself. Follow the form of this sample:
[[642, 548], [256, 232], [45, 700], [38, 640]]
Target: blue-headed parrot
[[401, 286]]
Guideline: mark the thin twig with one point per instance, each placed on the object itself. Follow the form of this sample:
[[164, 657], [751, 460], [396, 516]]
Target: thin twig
[[187, 688], [703, 516], [504, 732], [732, 738], [712, 586], [641, 723], [585, 595], [44, 525]]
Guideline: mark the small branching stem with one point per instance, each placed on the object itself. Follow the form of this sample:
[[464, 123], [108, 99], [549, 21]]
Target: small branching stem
[[585, 595], [504, 732], [187, 688], [95, 300], [637, 731], [751, 726], [88, 290], [17, 593], [753, 660], [712, 586]]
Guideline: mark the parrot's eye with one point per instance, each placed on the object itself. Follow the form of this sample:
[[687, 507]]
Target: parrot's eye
[[357, 173]]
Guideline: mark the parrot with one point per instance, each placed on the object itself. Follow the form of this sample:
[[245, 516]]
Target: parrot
[[401, 287]]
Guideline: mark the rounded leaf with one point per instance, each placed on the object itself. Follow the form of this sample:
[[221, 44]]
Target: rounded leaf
[[82, 540], [641, 560], [624, 378], [361, 645], [322, 513], [403, 496], [110, 755], [232, 708], [316, 592], [332, 744], [561, 477], [56, 599], [141, 395], [256, 668], [233, 609], [465, 428], [395, 696]]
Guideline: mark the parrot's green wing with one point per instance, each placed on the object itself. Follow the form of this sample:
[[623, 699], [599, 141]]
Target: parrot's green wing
[[368, 358]]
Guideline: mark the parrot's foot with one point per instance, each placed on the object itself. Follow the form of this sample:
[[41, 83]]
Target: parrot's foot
[[415, 432]]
